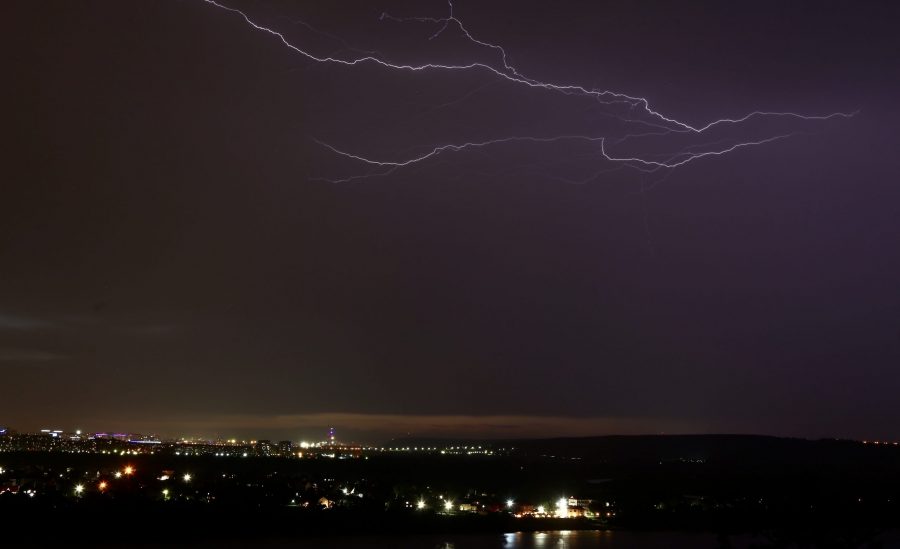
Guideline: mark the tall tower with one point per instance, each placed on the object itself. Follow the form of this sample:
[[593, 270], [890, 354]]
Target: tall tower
[[331, 434]]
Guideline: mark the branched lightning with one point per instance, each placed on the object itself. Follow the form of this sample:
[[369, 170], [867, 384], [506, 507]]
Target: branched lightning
[[681, 159], [457, 148], [505, 71]]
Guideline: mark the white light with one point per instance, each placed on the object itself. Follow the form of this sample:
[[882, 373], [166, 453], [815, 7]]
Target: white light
[[186, 477], [541, 510], [562, 508], [448, 505], [118, 474], [420, 504], [166, 492], [509, 503], [79, 488]]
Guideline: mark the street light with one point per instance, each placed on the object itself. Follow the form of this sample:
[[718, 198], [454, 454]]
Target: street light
[[186, 477], [79, 488]]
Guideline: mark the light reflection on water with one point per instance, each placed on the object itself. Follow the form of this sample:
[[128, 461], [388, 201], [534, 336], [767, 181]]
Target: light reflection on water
[[551, 539], [560, 539], [582, 539]]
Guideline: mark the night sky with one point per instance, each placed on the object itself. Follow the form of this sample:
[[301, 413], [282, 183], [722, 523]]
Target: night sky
[[179, 255]]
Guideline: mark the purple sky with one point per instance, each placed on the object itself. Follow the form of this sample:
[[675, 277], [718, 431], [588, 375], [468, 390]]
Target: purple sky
[[173, 258]]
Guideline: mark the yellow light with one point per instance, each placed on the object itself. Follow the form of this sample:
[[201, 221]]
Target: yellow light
[[166, 492], [420, 504], [102, 485], [129, 470]]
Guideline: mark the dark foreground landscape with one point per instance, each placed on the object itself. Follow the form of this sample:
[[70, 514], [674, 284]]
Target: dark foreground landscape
[[716, 491]]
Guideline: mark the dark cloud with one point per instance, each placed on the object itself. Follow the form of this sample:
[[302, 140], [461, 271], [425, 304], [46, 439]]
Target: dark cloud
[[14, 322], [28, 355]]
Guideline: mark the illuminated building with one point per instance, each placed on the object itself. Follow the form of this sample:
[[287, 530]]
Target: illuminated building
[[265, 447]]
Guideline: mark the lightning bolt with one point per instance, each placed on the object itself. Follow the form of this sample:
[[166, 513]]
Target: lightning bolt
[[505, 71]]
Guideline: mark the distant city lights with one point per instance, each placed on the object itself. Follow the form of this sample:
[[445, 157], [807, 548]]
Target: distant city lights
[[87, 483]]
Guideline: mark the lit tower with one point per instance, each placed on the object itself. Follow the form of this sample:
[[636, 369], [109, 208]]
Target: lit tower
[[331, 435]]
